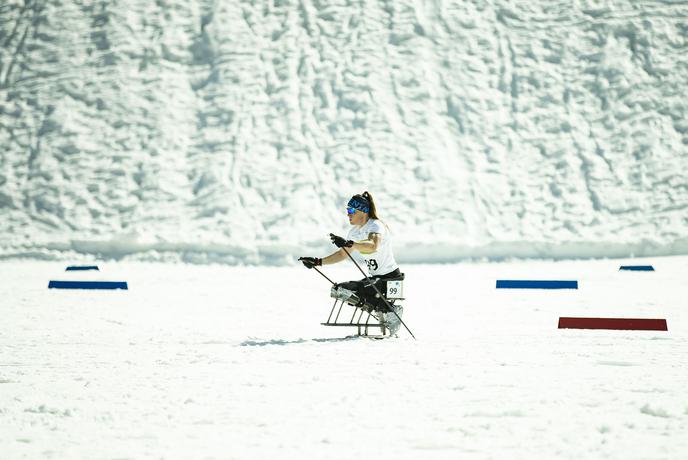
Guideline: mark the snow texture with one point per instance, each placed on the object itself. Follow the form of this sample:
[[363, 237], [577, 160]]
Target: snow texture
[[234, 132], [219, 362]]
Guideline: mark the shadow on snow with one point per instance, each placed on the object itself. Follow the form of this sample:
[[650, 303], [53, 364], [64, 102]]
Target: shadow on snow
[[263, 343]]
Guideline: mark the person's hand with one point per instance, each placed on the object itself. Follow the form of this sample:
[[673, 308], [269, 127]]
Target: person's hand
[[340, 242], [310, 262]]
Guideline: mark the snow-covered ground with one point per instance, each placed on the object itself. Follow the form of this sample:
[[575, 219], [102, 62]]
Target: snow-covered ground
[[231, 362], [235, 131]]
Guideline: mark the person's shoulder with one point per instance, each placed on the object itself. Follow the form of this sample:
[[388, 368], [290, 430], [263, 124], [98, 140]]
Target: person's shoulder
[[375, 226]]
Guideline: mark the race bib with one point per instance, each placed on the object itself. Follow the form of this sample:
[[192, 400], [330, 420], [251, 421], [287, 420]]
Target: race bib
[[395, 290]]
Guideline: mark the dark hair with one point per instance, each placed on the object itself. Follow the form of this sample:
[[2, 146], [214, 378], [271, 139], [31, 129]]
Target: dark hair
[[373, 211]]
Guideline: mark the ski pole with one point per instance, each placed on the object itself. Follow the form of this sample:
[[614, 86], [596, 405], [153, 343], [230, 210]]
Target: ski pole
[[316, 269], [379, 293]]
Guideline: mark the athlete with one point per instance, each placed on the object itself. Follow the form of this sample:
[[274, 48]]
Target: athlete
[[370, 238]]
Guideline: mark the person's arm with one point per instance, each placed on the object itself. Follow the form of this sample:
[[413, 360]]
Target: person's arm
[[334, 257], [370, 245]]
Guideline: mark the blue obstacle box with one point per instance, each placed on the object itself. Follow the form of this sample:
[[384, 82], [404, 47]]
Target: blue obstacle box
[[536, 284], [87, 285], [78, 268], [637, 268]]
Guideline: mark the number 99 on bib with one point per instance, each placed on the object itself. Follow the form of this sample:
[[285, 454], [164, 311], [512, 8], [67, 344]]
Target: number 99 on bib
[[395, 290]]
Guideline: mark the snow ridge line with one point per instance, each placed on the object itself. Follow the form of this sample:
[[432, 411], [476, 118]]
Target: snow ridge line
[[279, 254]]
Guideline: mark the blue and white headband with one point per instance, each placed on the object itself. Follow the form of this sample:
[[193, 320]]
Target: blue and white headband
[[359, 203]]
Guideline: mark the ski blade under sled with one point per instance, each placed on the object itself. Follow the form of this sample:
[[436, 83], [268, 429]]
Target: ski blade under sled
[[371, 337]]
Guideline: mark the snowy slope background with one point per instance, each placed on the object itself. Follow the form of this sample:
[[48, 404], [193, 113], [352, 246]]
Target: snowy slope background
[[235, 131]]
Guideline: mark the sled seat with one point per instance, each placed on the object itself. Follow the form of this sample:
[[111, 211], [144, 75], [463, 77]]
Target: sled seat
[[393, 287]]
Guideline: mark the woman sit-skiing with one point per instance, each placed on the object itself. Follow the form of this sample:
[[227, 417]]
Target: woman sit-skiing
[[370, 237]]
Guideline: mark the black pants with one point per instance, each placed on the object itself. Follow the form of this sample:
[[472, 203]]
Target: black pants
[[367, 294]]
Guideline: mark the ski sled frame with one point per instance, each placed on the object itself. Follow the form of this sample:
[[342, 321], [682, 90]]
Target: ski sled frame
[[369, 318], [362, 325]]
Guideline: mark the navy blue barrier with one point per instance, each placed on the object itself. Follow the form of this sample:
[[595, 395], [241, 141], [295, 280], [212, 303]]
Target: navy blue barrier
[[73, 268], [536, 284], [87, 285], [637, 268]]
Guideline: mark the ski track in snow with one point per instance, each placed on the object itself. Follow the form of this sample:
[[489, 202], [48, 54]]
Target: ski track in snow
[[231, 362], [234, 131]]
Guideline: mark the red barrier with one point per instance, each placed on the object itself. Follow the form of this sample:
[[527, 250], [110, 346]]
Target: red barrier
[[635, 324]]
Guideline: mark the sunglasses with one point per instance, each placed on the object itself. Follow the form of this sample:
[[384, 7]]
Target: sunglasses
[[350, 211]]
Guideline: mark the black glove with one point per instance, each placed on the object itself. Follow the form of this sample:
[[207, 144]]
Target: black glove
[[310, 262], [340, 242]]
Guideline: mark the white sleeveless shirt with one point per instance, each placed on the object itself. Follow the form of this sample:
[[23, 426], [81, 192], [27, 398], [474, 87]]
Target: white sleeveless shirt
[[381, 261]]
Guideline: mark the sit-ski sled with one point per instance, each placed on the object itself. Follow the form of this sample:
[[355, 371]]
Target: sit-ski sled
[[374, 321], [383, 312]]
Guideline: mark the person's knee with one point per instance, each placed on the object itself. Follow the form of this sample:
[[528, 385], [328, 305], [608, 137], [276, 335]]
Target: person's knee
[[351, 285]]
